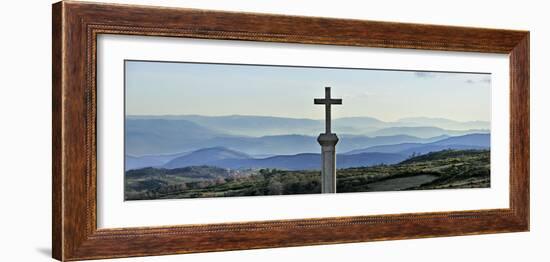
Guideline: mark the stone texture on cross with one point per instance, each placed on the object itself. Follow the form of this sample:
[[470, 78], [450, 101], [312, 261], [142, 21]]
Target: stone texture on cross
[[328, 142]]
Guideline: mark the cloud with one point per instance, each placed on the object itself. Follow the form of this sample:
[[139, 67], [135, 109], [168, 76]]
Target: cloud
[[486, 79], [422, 74], [467, 78]]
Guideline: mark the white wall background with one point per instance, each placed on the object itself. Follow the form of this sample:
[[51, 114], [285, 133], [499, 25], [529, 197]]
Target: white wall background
[[25, 147]]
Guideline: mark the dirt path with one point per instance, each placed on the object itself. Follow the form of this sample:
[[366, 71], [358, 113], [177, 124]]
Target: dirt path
[[401, 183]]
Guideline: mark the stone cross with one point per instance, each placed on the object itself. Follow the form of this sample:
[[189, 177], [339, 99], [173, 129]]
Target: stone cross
[[328, 142]]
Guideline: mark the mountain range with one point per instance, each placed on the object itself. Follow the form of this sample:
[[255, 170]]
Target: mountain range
[[472, 141], [227, 158], [381, 154], [240, 125], [259, 135]]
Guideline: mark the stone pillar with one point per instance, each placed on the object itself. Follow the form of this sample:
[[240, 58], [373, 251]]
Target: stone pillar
[[328, 162]]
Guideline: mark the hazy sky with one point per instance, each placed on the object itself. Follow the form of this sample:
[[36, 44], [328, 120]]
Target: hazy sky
[[158, 88]]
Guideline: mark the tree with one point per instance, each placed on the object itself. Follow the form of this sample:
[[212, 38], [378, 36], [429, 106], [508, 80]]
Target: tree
[[274, 187]]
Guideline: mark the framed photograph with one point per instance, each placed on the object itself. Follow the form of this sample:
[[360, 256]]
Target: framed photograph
[[183, 130]]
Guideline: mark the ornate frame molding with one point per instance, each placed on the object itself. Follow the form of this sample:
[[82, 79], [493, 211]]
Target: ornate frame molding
[[76, 26]]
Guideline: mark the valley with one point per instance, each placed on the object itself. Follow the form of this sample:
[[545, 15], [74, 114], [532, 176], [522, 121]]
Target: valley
[[444, 169], [193, 156]]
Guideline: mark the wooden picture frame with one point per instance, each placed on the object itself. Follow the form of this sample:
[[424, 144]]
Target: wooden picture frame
[[76, 26]]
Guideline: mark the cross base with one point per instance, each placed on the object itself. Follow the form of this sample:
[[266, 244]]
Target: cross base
[[328, 166]]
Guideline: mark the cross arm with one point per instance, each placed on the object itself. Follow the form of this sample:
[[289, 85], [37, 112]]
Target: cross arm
[[335, 101], [324, 101]]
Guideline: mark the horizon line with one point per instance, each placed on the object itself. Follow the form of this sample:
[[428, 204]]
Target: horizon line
[[304, 118]]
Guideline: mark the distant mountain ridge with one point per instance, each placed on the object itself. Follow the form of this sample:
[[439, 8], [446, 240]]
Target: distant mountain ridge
[[250, 125], [384, 154], [227, 158], [160, 136], [134, 162], [444, 123], [237, 125], [423, 131], [205, 156], [154, 136], [470, 141], [193, 139]]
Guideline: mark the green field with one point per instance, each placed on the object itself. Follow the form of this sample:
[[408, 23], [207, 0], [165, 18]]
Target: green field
[[437, 170]]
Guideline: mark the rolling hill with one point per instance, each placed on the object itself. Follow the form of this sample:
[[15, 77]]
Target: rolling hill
[[206, 156], [470, 141], [134, 162], [227, 158], [161, 137], [230, 158], [439, 170], [156, 140]]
